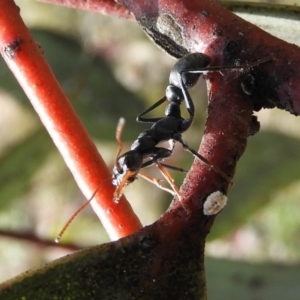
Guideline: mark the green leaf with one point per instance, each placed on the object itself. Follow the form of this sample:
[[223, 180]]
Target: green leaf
[[19, 163], [227, 280], [139, 266]]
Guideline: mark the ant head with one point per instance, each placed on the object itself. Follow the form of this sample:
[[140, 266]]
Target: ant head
[[125, 171], [127, 168], [174, 94]]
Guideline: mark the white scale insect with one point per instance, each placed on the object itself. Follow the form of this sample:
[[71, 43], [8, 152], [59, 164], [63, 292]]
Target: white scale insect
[[214, 203]]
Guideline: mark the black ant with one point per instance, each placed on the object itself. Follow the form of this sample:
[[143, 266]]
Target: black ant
[[144, 151]]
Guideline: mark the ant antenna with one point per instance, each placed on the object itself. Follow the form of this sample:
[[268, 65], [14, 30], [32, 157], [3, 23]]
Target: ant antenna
[[119, 130], [82, 207]]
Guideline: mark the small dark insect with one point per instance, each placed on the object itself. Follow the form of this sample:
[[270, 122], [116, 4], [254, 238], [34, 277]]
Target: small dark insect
[[11, 48], [144, 150]]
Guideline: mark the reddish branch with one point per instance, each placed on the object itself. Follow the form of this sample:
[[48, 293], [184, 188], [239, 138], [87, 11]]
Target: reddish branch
[[39, 242], [25, 59]]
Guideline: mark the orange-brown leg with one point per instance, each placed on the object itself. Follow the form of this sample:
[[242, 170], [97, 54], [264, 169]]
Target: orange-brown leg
[[170, 180], [157, 183]]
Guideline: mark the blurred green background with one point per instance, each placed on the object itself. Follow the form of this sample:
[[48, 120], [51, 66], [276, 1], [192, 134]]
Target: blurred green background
[[109, 69]]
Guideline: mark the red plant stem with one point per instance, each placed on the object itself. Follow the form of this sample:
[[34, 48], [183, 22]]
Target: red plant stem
[[25, 59], [106, 7]]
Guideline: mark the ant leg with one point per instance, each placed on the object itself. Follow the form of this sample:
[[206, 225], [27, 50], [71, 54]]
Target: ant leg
[[165, 173], [187, 98], [202, 158], [150, 120], [157, 183], [154, 160], [173, 168], [170, 180]]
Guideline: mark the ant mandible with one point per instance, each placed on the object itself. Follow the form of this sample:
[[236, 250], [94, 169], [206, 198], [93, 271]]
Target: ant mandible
[[144, 151]]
